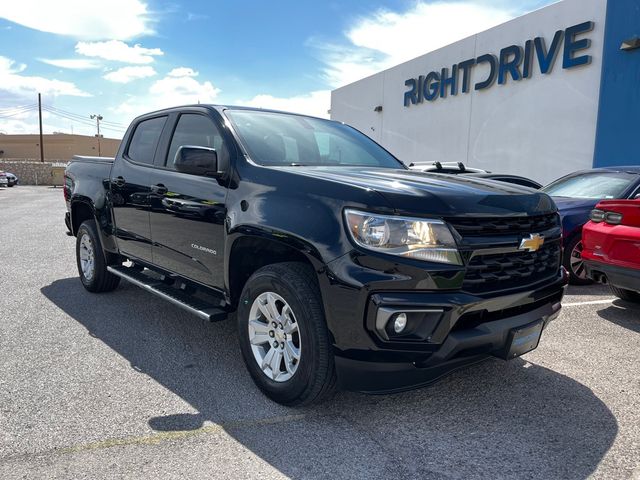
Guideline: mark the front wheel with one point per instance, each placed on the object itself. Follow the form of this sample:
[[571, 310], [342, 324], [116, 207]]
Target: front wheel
[[283, 335], [92, 265], [574, 264]]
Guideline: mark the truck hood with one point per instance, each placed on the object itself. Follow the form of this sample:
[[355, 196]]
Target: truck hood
[[412, 192]]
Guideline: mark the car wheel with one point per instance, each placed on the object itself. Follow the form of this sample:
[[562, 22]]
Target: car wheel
[[574, 264], [283, 335], [627, 295], [92, 264]]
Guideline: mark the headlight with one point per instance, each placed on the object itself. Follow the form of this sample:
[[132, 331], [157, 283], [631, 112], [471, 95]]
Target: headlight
[[422, 239]]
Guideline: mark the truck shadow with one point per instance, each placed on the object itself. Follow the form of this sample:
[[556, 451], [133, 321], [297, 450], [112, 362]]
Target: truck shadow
[[624, 314], [494, 420]]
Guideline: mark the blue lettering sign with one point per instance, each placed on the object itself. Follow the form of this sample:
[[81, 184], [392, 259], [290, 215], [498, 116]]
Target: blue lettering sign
[[514, 61]]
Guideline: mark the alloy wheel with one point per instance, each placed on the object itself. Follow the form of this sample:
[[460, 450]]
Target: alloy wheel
[[576, 262], [274, 336], [87, 257]]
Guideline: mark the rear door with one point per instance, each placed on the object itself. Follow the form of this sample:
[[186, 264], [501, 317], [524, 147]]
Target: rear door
[[130, 187], [188, 211]]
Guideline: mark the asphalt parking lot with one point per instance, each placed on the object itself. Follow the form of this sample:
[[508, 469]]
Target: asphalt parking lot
[[124, 385]]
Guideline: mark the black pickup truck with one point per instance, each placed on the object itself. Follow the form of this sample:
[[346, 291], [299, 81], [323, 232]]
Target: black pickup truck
[[343, 266]]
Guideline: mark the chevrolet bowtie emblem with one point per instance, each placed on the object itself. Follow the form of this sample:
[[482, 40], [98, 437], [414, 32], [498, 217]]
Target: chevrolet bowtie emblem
[[533, 243]]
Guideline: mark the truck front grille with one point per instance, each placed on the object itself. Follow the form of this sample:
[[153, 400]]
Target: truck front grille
[[492, 271], [487, 273], [504, 225]]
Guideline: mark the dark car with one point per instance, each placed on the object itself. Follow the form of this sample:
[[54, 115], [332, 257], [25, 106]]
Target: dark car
[[459, 168], [343, 266], [4, 181], [11, 179], [576, 195]]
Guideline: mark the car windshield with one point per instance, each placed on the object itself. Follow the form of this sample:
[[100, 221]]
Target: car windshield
[[280, 139], [592, 185]]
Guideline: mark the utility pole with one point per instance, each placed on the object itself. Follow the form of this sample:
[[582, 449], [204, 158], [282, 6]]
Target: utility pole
[[40, 120], [98, 117]]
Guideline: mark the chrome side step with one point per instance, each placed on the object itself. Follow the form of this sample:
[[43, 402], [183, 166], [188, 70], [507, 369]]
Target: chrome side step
[[201, 308]]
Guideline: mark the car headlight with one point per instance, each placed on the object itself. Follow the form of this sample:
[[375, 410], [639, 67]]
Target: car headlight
[[423, 239]]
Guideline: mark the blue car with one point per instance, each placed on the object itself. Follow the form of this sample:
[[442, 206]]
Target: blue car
[[576, 195]]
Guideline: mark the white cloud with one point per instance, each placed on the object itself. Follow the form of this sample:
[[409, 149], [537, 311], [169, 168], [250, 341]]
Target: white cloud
[[128, 74], [24, 86], [178, 87], [90, 20], [315, 103], [71, 63], [118, 51], [386, 38], [182, 72]]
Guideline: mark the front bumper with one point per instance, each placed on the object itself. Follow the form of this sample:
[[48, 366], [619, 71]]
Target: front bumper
[[454, 328], [460, 349], [621, 277]]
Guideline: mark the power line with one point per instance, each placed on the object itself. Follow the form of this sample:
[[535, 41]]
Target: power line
[[82, 117], [17, 107], [18, 112]]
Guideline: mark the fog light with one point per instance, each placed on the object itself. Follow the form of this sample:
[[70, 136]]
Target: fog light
[[400, 322]]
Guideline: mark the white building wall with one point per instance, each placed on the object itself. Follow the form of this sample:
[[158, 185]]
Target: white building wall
[[541, 127]]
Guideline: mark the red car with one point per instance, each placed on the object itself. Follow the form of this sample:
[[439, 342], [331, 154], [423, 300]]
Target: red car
[[611, 241]]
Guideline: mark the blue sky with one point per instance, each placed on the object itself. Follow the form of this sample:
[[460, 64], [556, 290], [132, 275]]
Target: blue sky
[[122, 58]]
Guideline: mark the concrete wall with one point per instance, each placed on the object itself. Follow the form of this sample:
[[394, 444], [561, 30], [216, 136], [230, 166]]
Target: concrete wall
[[56, 146], [541, 127], [34, 173]]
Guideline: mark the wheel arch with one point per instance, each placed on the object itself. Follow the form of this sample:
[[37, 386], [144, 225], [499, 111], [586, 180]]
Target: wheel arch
[[249, 252], [81, 211]]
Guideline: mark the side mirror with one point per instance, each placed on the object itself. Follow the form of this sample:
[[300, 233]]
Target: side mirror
[[637, 196], [197, 160]]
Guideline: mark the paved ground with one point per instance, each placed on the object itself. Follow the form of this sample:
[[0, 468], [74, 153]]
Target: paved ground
[[124, 385]]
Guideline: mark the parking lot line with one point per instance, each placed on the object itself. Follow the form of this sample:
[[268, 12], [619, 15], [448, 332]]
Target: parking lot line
[[592, 302], [159, 437]]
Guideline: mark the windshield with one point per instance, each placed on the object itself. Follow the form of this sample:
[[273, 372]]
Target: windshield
[[284, 139], [592, 185]]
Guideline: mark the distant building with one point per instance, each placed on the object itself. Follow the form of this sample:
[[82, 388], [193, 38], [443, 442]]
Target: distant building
[[542, 95], [58, 146]]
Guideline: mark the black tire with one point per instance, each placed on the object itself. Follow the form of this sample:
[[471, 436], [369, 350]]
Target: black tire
[[101, 280], [315, 377], [576, 271], [626, 295]]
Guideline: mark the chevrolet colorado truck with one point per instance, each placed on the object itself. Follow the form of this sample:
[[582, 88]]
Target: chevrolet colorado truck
[[344, 267]]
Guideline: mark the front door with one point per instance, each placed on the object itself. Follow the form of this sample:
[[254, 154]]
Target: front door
[[188, 212], [130, 188]]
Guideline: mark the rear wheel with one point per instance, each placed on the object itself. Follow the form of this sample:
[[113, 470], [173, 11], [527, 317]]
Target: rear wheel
[[627, 295], [573, 262], [92, 264], [283, 335]]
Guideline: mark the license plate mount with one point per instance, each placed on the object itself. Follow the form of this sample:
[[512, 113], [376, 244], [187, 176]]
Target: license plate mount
[[523, 339]]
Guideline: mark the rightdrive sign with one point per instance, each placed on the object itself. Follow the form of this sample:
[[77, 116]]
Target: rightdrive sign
[[514, 61]]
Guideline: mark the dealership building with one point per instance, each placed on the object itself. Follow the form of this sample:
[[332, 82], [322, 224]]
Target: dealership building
[[545, 94]]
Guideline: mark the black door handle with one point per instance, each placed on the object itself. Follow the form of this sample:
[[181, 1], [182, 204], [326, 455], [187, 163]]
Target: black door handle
[[119, 182], [160, 189]]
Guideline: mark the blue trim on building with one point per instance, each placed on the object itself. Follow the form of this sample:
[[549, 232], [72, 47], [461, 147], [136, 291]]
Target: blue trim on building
[[618, 127]]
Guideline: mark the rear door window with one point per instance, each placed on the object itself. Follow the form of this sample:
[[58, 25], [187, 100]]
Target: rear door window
[[145, 140]]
